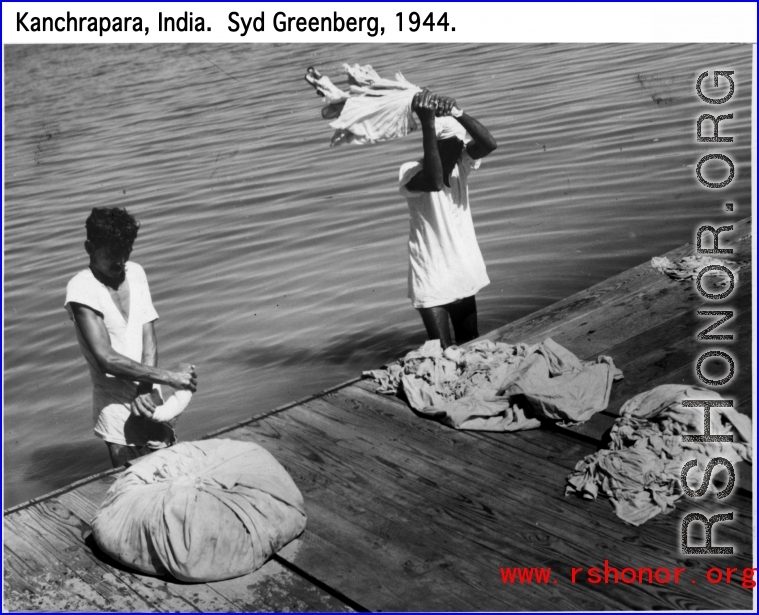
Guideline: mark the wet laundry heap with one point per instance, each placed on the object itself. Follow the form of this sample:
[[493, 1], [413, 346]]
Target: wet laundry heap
[[493, 386], [640, 471]]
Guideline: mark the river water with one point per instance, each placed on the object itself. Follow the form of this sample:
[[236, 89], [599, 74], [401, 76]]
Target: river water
[[277, 264]]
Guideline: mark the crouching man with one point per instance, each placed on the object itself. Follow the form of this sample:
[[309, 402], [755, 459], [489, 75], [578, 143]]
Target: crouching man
[[114, 317]]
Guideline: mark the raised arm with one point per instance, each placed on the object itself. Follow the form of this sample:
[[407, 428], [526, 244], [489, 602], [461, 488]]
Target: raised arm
[[109, 361], [430, 178], [482, 142]]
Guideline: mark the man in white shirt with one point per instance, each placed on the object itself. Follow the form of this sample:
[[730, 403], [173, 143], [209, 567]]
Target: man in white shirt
[[446, 268], [114, 317]]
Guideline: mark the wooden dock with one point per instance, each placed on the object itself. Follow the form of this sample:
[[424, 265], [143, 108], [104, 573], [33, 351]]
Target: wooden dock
[[405, 514]]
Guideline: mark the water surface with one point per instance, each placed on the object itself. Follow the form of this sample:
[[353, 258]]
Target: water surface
[[277, 264]]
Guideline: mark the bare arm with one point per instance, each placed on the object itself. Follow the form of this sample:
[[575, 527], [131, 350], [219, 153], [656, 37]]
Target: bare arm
[[143, 404], [482, 142], [430, 178], [109, 361], [149, 344]]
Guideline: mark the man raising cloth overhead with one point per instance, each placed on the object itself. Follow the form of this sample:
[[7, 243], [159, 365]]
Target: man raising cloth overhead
[[446, 268], [111, 306]]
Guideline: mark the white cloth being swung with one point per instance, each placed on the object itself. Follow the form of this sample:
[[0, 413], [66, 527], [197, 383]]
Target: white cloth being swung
[[375, 109]]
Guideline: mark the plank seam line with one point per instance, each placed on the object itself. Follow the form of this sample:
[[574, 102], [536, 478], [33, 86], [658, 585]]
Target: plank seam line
[[335, 593]]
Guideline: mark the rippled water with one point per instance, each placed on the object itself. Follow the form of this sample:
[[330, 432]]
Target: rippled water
[[277, 264]]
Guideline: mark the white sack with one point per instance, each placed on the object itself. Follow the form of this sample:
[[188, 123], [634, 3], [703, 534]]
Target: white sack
[[200, 511]]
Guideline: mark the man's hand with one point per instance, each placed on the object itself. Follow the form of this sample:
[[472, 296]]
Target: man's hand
[[424, 105], [143, 404], [444, 105], [184, 377]]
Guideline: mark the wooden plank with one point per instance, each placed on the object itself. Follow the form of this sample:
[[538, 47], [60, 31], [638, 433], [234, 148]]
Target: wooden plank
[[64, 541], [29, 587], [83, 581], [274, 588], [426, 564], [666, 354], [549, 448], [334, 552], [557, 446], [607, 292], [740, 534], [541, 442], [408, 501]]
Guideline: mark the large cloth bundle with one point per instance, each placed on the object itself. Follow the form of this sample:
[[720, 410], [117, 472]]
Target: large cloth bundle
[[200, 511]]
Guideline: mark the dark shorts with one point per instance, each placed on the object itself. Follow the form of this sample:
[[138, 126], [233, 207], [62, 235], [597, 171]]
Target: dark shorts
[[121, 454]]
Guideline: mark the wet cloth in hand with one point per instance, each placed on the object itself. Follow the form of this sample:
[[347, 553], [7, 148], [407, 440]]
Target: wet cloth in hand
[[640, 471], [375, 109], [493, 386], [200, 511]]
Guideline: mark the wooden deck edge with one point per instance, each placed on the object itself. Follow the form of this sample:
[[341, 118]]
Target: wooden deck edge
[[213, 434], [278, 409], [66, 489]]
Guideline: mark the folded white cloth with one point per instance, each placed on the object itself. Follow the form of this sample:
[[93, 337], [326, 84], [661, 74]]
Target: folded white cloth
[[172, 407]]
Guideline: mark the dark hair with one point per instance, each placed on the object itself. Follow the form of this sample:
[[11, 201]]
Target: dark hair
[[113, 228]]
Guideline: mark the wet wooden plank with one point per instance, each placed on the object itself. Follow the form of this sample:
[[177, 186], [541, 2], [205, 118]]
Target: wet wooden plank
[[660, 530], [64, 566], [539, 451], [427, 564], [394, 471], [34, 585]]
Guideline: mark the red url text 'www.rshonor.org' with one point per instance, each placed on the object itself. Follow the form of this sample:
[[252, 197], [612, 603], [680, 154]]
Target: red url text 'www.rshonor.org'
[[610, 575]]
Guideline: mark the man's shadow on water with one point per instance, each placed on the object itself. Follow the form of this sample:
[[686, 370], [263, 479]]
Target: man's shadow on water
[[361, 350]]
